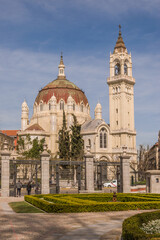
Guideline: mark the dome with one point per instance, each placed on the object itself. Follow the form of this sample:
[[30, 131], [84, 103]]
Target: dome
[[61, 88]]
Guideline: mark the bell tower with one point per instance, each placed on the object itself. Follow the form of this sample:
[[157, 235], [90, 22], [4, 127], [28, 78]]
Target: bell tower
[[121, 99]]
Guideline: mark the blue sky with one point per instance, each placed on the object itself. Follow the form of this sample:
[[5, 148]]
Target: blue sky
[[33, 34]]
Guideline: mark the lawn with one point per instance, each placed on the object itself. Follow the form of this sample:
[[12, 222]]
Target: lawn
[[24, 207]]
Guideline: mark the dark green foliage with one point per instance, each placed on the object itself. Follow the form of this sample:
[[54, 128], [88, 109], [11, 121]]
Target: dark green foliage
[[131, 226], [20, 144], [77, 143], [92, 202], [35, 147], [64, 141]]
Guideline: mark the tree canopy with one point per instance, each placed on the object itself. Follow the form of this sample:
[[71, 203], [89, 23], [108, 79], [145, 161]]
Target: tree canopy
[[35, 147]]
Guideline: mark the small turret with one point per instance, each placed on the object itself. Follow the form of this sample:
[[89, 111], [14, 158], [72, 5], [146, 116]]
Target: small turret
[[98, 111], [24, 116]]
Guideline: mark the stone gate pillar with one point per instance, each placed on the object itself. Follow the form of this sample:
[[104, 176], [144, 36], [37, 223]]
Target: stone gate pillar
[[89, 178], [5, 170], [125, 172], [45, 157]]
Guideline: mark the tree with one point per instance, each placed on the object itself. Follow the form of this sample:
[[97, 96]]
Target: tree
[[143, 163], [77, 143], [30, 149], [36, 149], [64, 141]]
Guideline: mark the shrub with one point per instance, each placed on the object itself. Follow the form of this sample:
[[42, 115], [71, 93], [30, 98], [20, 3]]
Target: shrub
[[91, 202], [131, 228]]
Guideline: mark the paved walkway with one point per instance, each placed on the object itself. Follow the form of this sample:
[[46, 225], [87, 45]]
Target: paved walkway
[[68, 226]]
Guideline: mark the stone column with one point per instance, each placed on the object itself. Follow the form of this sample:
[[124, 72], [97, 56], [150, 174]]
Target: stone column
[[5, 170], [45, 156], [125, 173], [89, 180]]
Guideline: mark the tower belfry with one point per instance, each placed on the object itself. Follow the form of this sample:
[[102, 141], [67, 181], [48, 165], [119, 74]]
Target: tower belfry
[[121, 98]]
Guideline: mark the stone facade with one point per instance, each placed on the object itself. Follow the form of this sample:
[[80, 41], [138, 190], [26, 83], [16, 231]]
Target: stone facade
[[105, 140]]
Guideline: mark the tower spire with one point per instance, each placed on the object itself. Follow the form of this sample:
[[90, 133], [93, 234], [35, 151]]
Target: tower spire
[[120, 46], [61, 67]]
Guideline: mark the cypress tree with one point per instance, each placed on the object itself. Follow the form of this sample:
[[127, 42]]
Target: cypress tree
[[77, 143], [64, 141]]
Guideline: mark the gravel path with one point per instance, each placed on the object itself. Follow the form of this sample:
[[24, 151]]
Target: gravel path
[[68, 226]]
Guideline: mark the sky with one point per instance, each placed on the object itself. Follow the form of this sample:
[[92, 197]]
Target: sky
[[35, 32]]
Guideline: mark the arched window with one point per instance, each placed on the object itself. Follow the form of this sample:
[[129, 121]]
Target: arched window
[[117, 69], [41, 106], [61, 105], [125, 69], [81, 107], [73, 106], [103, 138], [49, 106]]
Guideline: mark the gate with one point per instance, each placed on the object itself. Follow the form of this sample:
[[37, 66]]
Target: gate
[[67, 176], [101, 173], [25, 171]]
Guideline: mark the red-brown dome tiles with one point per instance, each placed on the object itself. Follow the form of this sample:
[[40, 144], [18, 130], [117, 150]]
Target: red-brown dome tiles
[[62, 89]]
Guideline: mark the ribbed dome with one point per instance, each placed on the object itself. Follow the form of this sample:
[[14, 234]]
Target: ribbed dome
[[62, 89]]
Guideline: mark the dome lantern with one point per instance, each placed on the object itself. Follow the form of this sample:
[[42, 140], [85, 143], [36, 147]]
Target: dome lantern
[[61, 68]]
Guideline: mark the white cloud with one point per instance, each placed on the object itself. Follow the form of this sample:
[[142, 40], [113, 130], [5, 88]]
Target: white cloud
[[22, 10], [23, 73], [113, 8]]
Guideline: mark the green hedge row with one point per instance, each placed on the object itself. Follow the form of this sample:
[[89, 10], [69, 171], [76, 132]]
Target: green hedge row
[[131, 226], [52, 205], [119, 198], [68, 200]]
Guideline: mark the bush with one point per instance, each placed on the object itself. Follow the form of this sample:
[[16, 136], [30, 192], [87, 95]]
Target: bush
[[92, 202], [131, 226]]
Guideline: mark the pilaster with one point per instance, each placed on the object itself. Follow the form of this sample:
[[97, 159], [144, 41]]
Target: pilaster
[[125, 173], [45, 157], [89, 183], [5, 170]]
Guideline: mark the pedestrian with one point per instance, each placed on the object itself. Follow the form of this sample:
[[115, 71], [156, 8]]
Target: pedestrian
[[29, 187], [19, 186]]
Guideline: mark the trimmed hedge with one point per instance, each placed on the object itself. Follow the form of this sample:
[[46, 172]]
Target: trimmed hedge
[[131, 226], [55, 203]]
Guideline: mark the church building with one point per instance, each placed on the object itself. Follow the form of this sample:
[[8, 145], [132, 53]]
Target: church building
[[105, 140]]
